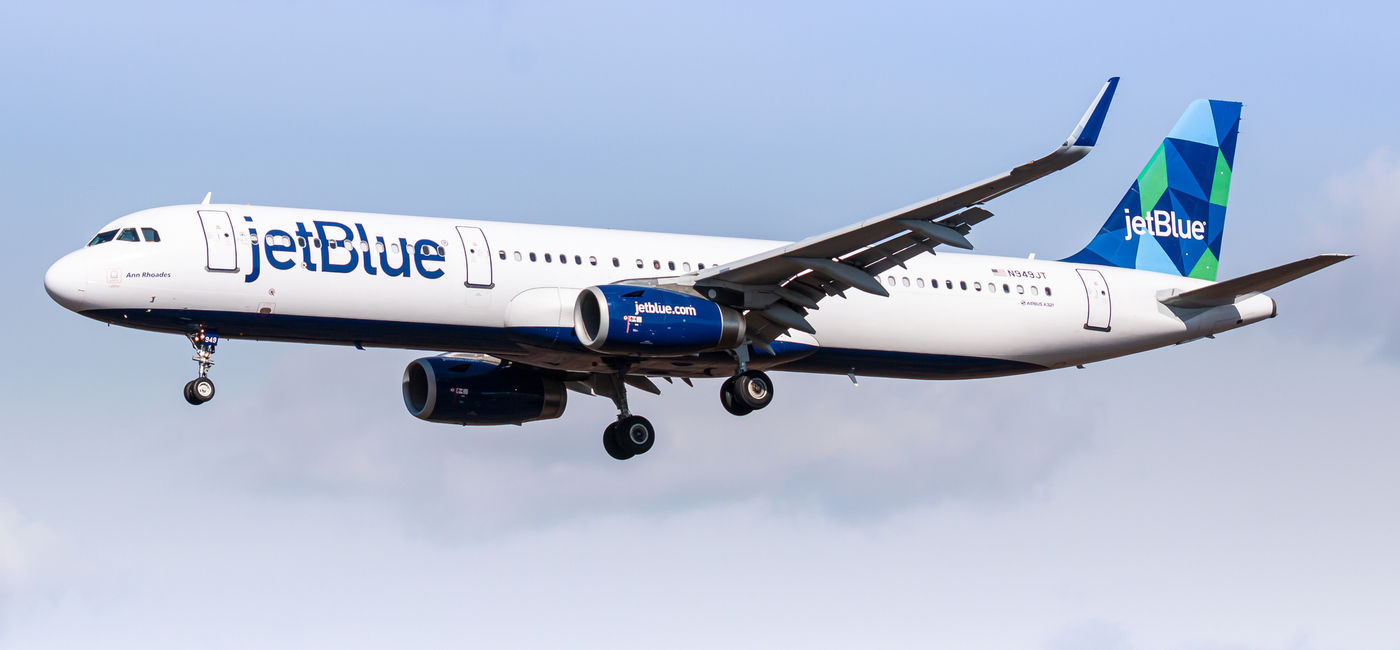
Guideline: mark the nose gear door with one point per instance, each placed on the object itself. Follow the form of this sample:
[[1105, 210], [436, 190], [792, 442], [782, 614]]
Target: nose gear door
[[221, 248], [1100, 303]]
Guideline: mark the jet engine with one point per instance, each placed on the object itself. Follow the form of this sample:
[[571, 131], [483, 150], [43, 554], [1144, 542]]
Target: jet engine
[[462, 391], [625, 319]]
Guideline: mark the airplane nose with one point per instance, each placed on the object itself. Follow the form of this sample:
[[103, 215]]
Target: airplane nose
[[65, 282]]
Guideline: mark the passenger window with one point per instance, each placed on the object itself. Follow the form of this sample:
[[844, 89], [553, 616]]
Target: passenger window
[[503, 256], [702, 266], [364, 246], [578, 260], [441, 251], [1020, 289], [331, 244], [671, 266], [1006, 288], [685, 266], [517, 256], [1047, 291], [315, 242], [949, 284], [905, 281], [976, 286], [616, 263], [301, 242], [1034, 291], [889, 280], [532, 256], [392, 247], [933, 283], [547, 258], [254, 239], [656, 264], [992, 287], [128, 234], [150, 234], [963, 284], [919, 282], [103, 237], [379, 246], [563, 258], [641, 264], [592, 261]]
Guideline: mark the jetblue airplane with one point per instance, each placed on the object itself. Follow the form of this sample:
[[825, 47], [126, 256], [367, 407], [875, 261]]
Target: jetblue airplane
[[523, 314]]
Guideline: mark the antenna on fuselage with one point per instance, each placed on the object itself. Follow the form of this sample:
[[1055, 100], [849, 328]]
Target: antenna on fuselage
[[207, 196]]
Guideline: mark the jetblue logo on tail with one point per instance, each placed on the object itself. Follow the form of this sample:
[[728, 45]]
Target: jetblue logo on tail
[[1162, 223]]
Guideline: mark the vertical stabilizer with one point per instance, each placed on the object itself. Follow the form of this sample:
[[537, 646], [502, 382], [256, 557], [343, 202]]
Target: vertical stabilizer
[[1173, 217]]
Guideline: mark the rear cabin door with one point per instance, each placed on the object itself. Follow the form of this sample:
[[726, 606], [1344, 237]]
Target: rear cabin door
[[220, 245], [478, 257], [1100, 303]]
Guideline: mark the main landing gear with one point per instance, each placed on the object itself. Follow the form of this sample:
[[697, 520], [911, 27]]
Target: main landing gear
[[746, 392], [631, 435], [201, 389]]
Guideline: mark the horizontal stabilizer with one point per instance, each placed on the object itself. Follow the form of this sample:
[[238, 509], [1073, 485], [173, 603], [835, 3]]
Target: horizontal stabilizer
[[1232, 291]]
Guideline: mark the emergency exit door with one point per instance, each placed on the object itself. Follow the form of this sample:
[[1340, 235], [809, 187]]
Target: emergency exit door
[[221, 247], [478, 256], [1100, 302]]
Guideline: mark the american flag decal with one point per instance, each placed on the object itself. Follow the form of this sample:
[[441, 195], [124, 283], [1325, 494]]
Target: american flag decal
[[999, 272]]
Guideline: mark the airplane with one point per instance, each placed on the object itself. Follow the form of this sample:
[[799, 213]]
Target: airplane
[[523, 314]]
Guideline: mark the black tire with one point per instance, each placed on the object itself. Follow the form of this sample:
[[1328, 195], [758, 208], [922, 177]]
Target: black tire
[[202, 389], [754, 389], [610, 443], [189, 394], [729, 398], [634, 435]]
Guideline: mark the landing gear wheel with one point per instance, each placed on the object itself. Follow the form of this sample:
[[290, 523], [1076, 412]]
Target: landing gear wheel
[[202, 389], [189, 394], [610, 443], [754, 389], [729, 398], [633, 435]]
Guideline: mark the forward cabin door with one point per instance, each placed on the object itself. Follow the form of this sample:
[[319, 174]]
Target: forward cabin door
[[221, 247], [1100, 303], [478, 257]]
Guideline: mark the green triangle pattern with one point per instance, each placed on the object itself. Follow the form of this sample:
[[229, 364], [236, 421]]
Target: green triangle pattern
[[1220, 186], [1152, 182], [1205, 267]]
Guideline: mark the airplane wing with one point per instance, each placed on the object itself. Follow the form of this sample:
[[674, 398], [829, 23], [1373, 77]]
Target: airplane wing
[[780, 286]]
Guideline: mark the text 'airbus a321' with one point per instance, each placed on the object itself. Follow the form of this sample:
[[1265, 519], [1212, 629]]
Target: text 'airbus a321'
[[524, 313]]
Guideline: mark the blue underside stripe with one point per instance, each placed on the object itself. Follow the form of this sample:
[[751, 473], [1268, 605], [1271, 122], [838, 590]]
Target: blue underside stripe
[[490, 340]]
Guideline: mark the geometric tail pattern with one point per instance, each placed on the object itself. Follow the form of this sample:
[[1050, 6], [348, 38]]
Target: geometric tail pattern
[[1173, 217]]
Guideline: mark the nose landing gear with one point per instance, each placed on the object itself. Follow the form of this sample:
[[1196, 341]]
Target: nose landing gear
[[201, 389]]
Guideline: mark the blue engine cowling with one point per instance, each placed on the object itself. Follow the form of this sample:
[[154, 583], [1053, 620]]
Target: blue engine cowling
[[624, 319], [461, 391]]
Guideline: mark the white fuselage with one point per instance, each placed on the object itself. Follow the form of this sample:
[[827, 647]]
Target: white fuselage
[[508, 290]]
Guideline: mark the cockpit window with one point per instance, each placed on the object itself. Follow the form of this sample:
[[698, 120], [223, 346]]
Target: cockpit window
[[150, 234], [103, 237], [128, 234]]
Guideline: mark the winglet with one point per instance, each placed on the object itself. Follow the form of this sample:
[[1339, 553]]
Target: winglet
[[208, 196], [1086, 133]]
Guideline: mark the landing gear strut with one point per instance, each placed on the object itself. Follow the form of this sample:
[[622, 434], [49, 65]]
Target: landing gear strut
[[201, 389], [630, 435]]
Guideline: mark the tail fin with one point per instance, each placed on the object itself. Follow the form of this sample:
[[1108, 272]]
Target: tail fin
[[1173, 217]]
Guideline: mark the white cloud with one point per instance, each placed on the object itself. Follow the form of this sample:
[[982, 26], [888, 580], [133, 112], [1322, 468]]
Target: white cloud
[[23, 546]]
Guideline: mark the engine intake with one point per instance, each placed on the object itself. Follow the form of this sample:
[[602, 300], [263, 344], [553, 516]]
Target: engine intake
[[461, 391], [625, 319]]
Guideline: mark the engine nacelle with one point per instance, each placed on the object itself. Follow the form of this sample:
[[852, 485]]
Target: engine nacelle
[[460, 391], [625, 319]]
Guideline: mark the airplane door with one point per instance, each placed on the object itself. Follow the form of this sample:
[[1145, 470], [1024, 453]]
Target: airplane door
[[1100, 303], [221, 248], [478, 256]]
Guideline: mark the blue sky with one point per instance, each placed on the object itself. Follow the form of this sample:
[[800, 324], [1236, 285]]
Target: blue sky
[[1235, 493]]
